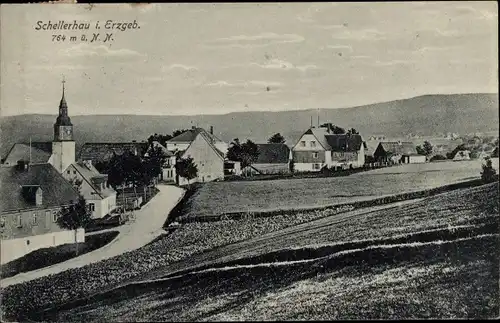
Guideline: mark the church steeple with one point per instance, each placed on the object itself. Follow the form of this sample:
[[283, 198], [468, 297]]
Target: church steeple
[[63, 146], [63, 128], [63, 118]]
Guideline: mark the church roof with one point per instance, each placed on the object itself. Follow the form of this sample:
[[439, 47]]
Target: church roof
[[103, 151], [56, 191], [40, 153]]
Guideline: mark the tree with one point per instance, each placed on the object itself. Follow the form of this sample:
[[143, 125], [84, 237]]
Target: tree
[[352, 131], [291, 166], [495, 152], [333, 128], [186, 168], [74, 217], [154, 161], [246, 153], [277, 138], [488, 173], [162, 139], [179, 132], [420, 150], [427, 148], [452, 154]]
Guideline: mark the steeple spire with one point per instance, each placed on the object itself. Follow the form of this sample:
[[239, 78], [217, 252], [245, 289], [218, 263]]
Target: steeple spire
[[63, 118]]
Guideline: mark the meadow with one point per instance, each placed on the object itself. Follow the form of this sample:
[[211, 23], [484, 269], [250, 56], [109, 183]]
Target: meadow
[[253, 196], [432, 258]]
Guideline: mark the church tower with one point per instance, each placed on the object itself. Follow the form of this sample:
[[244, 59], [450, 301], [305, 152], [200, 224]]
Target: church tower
[[63, 145]]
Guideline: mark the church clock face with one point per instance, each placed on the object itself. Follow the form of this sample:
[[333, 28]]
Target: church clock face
[[68, 131]]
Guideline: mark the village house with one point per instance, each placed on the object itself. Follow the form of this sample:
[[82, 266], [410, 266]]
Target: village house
[[60, 153], [462, 155], [93, 186], [319, 147], [207, 157], [168, 168], [273, 158], [32, 197], [182, 141], [397, 152]]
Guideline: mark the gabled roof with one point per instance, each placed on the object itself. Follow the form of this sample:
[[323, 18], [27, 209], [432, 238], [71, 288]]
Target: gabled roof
[[92, 176], [273, 154], [56, 191], [165, 151], [203, 135], [335, 142], [40, 153], [399, 148], [344, 142], [189, 135], [103, 151], [319, 133]]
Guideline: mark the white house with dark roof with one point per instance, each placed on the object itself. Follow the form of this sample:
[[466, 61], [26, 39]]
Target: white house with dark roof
[[93, 186], [202, 148], [319, 147], [182, 141], [32, 197]]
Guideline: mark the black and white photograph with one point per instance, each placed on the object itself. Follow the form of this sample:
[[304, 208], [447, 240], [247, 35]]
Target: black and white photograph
[[274, 161]]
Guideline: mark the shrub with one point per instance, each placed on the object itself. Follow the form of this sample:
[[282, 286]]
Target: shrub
[[488, 173], [438, 157]]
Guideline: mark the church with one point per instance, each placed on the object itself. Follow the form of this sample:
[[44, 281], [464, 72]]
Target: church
[[60, 153]]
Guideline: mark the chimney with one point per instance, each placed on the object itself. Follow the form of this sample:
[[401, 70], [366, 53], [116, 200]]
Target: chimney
[[211, 130], [38, 196]]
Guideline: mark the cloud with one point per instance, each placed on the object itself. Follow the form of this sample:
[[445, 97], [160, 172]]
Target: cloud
[[84, 49], [329, 27], [447, 33], [180, 66], [393, 62], [244, 84], [281, 64], [362, 34], [340, 47], [260, 40], [49, 67]]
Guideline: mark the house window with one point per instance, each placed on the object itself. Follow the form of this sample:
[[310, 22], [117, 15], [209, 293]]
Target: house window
[[54, 216], [315, 155], [47, 215], [68, 171], [313, 143], [316, 166], [34, 219], [74, 172], [2, 222], [302, 143], [19, 221], [92, 207]]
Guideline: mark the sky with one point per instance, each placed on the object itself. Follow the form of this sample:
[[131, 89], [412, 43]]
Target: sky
[[219, 58]]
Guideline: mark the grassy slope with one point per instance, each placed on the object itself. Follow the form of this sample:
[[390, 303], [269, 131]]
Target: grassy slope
[[225, 197], [400, 269]]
